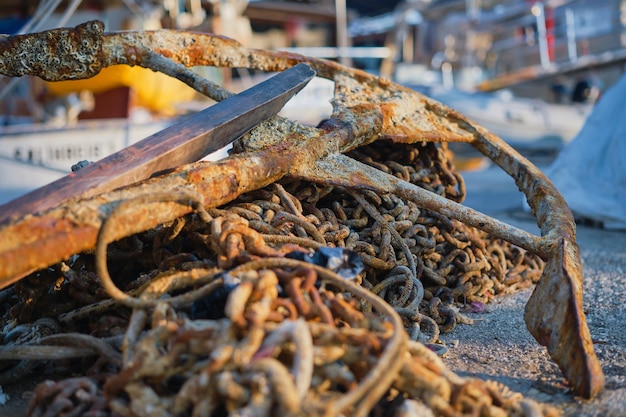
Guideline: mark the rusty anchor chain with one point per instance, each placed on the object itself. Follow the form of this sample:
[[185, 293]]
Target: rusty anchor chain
[[366, 109]]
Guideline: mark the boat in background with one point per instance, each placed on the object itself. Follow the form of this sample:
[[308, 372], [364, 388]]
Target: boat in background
[[528, 124], [34, 155], [530, 71], [525, 123]]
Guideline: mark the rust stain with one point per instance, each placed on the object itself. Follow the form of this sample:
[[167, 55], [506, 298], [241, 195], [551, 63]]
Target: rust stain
[[51, 236]]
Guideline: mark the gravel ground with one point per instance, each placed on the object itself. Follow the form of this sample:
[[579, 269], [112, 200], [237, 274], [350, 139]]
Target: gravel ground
[[499, 347]]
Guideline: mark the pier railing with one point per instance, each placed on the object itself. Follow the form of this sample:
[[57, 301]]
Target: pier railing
[[535, 40]]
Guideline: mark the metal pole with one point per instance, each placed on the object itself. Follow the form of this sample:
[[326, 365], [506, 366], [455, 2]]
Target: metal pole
[[539, 13], [343, 42], [570, 24]]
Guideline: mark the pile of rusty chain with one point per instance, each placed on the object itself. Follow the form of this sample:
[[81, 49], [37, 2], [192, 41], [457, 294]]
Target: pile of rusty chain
[[225, 321], [415, 257], [289, 158], [242, 316]]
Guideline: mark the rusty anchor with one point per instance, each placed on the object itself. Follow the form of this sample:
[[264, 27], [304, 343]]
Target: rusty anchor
[[366, 108]]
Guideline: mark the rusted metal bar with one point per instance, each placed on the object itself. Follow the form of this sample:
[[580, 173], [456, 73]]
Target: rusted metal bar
[[366, 108], [186, 141]]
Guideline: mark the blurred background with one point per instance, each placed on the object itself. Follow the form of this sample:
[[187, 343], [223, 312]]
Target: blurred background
[[531, 71]]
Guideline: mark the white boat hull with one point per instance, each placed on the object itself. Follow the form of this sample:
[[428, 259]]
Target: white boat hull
[[522, 122], [32, 156]]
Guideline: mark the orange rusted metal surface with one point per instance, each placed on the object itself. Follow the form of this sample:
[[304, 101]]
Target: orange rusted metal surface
[[366, 109]]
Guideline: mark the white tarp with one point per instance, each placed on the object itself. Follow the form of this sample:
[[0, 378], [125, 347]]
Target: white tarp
[[590, 172]]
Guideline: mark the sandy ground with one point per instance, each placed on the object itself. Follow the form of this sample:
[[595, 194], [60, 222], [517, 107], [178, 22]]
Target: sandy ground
[[498, 346]]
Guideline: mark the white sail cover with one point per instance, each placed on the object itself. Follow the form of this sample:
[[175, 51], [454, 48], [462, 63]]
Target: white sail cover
[[590, 172]]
